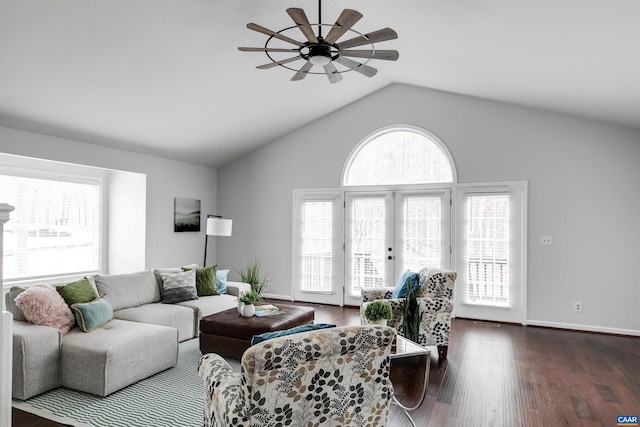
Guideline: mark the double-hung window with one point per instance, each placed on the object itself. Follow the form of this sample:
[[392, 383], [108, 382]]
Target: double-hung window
[[55, 230]]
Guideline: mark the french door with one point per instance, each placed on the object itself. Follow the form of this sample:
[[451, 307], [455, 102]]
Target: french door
[[387, 232]]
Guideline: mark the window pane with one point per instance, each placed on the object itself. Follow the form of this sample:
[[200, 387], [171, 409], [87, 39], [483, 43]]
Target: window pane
[[422, 232], [399, 157], [368, 238], [54, 230], [317, 246], [488, 250]]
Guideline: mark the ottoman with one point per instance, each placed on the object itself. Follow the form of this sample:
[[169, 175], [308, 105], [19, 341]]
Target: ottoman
[[115, 355], [229, 334]]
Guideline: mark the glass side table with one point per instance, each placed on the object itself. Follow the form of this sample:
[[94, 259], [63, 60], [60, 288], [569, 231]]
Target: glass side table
[[408, 359]]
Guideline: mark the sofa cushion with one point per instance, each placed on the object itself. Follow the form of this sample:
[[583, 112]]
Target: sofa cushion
[[116, 355], [406, 278], [158, 272], [77, 292], [90, 315], [206, 306], [43, 305], [129, 290], [221, 278], [179, 287], [171, 315], [206, 283]]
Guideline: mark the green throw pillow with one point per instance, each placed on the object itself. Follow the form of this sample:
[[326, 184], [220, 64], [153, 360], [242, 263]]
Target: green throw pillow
[[206, 283], [90, 315], [77, 292]]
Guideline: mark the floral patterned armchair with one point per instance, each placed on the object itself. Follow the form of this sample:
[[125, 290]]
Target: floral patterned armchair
[[328, 377], [435, 301]]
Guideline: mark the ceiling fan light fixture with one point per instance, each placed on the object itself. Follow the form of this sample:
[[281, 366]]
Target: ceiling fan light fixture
[[319, 55]]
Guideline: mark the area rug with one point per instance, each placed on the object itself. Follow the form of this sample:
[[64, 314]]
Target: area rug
[[174, 397]]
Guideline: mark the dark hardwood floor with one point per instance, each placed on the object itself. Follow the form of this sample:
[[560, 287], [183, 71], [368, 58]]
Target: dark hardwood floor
[[510, 375]]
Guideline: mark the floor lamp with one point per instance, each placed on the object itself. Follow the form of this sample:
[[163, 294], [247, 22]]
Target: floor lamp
[[216, 226]]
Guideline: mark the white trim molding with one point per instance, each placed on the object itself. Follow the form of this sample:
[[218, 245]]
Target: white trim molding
[[585, 328], [6, 339]]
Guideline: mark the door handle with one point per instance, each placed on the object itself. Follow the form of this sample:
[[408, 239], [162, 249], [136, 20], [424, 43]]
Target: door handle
[[389, 257]]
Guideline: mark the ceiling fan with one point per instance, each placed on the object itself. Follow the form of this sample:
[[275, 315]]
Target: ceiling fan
[[324, 51]]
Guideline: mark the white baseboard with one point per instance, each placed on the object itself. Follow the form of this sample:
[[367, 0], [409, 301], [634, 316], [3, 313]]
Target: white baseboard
[[587, 328], [276, 296]]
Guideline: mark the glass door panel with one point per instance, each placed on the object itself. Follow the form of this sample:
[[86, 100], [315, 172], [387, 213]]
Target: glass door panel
[[390, 232]]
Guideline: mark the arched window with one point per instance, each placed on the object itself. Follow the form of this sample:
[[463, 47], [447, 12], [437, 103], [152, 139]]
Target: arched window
[[400, 155]]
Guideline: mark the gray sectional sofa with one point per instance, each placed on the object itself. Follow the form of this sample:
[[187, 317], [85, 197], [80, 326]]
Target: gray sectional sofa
[[141, 340]]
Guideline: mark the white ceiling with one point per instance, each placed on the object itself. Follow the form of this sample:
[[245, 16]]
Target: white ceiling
[[164, 77]]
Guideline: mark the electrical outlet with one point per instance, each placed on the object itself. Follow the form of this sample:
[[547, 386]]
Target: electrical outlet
[[577, 307], [546, 240]]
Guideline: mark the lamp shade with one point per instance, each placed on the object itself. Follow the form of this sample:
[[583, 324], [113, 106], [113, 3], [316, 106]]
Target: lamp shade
[[219, 226]]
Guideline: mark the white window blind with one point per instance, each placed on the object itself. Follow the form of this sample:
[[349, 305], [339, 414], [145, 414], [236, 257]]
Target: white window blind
[[317, 245], [487, 247], [422, 232], [55, 228]]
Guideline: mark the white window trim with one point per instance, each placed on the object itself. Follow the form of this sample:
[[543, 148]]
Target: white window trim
[[53, 175], [498, 187], [300, 195], [399, 128]]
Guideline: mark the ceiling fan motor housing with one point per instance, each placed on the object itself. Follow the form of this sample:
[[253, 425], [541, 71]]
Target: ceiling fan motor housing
[[319, 54]]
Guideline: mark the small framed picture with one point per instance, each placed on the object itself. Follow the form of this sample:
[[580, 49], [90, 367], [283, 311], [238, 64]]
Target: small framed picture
[[186, 214]]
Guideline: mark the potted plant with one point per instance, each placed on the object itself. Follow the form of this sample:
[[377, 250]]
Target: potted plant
[[412, 317], [246, 301], [378, 312], [251, 275]]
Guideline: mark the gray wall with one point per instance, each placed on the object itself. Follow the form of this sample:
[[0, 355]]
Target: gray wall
[[165, 179], [584, 181]]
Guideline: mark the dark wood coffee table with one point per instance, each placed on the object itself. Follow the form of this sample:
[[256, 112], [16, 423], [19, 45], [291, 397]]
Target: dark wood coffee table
[[229, 334]]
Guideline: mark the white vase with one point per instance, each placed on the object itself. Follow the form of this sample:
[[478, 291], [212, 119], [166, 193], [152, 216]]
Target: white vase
[[240, 304], [247, 310], [382, 322]]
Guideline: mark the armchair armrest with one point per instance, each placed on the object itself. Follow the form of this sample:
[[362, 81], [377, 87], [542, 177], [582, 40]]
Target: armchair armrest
[[370, 294], [225, 403]]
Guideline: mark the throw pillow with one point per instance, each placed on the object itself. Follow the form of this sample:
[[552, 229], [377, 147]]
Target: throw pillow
[[296, 330], [221, 278], [79, 291], [90, 315], [206, 283], [178, 287], [406, 278], [43, 305]]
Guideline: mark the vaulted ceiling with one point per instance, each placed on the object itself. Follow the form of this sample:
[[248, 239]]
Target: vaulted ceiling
[[165, 77]]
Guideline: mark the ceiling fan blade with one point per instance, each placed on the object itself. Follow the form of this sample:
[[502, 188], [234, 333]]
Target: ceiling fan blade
[[374, 37], [387, 55], [300, 18], [275, 64], [332, 73], [363, 69], [302, 72], [345, 21], [265, 49], [258, 28]]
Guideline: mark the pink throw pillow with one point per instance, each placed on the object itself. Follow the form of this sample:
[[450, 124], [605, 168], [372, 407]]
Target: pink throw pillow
[[43, 305]]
